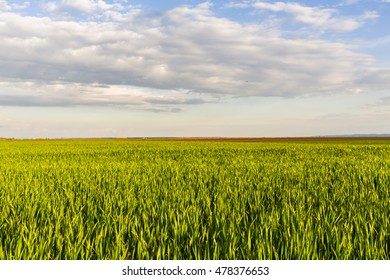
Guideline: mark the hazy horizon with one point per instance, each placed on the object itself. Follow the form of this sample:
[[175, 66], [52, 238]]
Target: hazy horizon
[[347, 136], [117, 68]]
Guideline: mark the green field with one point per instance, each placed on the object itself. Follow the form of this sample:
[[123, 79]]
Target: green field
[[120, 199]]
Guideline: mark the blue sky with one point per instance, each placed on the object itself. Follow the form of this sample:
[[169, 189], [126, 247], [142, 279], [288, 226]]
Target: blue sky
[[95, 68]]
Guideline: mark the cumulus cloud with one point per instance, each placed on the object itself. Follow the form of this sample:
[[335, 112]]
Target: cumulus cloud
[[31, 94], [4, 6], [91, 10], [182, 51], [86, 6], [321, 18]]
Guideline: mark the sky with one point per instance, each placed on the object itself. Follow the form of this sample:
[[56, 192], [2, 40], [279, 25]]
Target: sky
[[95, 68]]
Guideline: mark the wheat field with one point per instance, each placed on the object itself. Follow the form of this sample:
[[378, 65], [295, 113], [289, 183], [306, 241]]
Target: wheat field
[[153, 200]]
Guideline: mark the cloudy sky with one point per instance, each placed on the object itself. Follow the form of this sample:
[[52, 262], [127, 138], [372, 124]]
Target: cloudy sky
[[117, 68]]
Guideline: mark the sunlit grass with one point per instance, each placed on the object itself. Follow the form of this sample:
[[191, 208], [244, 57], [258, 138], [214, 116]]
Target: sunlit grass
[[107, 199]]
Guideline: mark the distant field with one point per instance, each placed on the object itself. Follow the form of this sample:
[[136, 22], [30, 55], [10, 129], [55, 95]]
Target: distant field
[[209, 199], [347, 139], [270, 139]]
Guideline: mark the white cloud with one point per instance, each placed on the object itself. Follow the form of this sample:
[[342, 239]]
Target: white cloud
[[4, 6], [322, 18], [88, 6], [21, 6], [368, 15], [242, 5], [350, 2], [50, 6], [32, 93], [95, 9], [181, 51]]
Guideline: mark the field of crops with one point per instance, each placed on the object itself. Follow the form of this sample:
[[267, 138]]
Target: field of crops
[[120, 199]]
